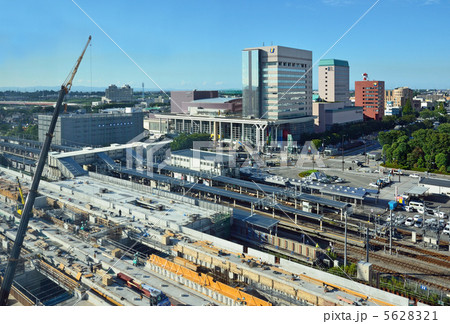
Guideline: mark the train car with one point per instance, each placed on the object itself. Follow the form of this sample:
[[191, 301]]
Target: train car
[[156, 296]]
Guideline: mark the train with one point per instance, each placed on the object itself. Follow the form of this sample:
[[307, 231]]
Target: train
[[156, 296]]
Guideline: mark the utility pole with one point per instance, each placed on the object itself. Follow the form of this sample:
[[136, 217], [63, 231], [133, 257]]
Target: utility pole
[[367, 244], [345, 242], [342, 149], [390, 232]]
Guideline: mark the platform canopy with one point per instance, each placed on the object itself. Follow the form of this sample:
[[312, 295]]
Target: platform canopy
[[416, 191]]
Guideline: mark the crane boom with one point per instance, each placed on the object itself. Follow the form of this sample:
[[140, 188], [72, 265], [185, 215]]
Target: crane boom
[[20, 191], [22, 200], [15, 251]]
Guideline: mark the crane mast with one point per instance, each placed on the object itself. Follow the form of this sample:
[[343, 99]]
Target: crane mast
[[26, 213]]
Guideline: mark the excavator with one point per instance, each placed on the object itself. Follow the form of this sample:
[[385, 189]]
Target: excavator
[[26, 212], [22, 200]]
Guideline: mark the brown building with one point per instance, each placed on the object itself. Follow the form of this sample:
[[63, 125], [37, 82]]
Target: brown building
[[177, 98], [370, 96]]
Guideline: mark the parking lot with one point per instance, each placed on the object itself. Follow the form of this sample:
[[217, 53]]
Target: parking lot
[[367, 173]]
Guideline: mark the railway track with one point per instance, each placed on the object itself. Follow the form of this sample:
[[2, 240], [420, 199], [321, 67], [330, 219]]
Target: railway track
[[415, 269], [427, 256]]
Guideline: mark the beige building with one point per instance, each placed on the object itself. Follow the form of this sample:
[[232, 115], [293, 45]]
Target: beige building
[[334, 80], [398, 97]]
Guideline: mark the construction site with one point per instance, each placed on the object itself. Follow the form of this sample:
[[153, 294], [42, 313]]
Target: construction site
[[87, 235]]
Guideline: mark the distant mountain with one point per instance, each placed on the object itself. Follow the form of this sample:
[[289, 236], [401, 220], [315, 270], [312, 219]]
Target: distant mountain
[[55, 88]]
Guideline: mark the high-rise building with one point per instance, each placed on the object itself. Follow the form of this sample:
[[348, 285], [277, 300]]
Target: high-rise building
[[276, 82], [334, 80], [370, 96], [115, 94]]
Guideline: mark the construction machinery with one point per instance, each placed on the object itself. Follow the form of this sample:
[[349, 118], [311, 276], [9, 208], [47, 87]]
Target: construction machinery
[[26, 213], [22, 200]]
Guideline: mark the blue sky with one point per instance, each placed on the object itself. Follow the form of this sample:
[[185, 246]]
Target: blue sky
[[198, 44]]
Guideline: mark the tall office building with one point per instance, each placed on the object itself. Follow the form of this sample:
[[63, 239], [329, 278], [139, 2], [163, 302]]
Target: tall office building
[[334, 80], [370, 96], [276, 82], [115, 94]]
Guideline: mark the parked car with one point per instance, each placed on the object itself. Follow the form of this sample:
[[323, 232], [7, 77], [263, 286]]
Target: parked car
[[416, 217], [414, 175], [440, 214], [418, 223], [400, 220], [446, 230], [409, 221], [410, 209]]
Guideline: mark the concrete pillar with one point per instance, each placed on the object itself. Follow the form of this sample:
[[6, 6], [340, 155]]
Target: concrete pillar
[[231, 132], [295, 218]]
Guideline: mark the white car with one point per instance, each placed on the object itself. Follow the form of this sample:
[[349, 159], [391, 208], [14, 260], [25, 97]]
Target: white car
[[440, 214], [414, 175], [446, 230], [416, 217], [410, 209], [409, 221]]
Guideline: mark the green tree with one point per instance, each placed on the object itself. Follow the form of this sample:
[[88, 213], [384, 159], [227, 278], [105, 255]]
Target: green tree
[[317, 143], [407, 108], [441, 160], [184, 141], [441, 109]]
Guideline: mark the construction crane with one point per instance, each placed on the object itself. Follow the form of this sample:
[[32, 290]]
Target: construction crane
[[26, 213], [22, 200]]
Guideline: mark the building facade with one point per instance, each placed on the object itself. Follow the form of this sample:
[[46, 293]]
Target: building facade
[[329, 113], [179, 99], [370, 96], [214, 107], [93, 129], [334, 80], [276, 82], [210, 162], [115, 94], [258, 132], [399, 96]]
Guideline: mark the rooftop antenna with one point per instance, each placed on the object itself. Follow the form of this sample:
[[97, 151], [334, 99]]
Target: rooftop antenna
[[143, 97]]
